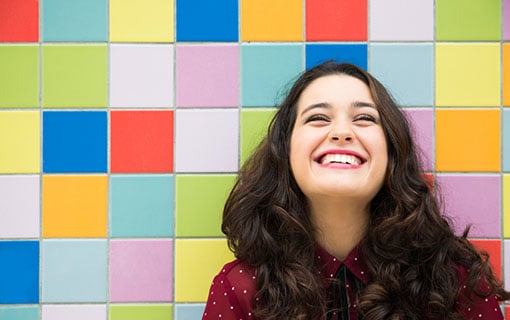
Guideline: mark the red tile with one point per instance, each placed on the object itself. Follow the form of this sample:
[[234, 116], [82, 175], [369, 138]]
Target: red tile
[[493, 248], [19, 21], [142, 141], [336, 20]]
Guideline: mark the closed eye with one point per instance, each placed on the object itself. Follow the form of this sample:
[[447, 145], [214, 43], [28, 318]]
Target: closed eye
[[317, 118], [366, 117]]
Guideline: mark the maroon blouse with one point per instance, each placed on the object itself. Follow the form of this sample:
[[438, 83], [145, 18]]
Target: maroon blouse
[[231, 296]]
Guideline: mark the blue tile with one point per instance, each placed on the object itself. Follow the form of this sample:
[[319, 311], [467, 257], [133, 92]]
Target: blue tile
[[506, 140], [19, 313], [74, 141], [19, 272], [205, 20], [266, 69], [141, 206], [77, 20], [407, 70], [352, 53]]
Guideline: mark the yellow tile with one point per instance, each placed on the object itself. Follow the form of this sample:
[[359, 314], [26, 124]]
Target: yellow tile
[[506, 74], [197, 261], [74, 206], [269, 20], [468, 140], [20, 141], [506, 205], [468, 75], [142, 20]]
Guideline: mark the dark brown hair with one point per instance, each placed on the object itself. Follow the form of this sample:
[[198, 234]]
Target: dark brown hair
[[410, 250]]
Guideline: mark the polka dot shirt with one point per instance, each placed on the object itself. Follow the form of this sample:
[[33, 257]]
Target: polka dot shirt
[[231, 296]]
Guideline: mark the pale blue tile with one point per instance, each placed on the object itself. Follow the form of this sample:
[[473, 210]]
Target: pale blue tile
[[19, 313], [506, 140], [189, 311]]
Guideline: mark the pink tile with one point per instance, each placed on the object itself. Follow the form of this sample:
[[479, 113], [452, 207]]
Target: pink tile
[[422, 124], [207, 75], [506, 20], [472, 199], [141, 270], [75, 312]]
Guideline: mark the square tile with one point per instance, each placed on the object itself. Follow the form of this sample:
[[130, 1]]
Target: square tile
[[79, 20], [142, 141], [19, 67], [20, 141], [468, 74], [75, 312], [422, 126], [201, 218], [19, 272], [468, 20], [401, 20], [141, 75], [354, 53], [506, 74], [213, 134], [506, 206], [457, 131], [189, 311], [74, 206], [395, 64], [141, 206], [266, 20], [20, 21], [207, 75], [254, 128], [19, 206], [465, 196], [266, 70], [336, 20], [204, 20], [74, 271], [19, 312], [506, 256], [141, 20], [140, 311], [141, 270], [493, 248], [506, 19], [74, 141], [505, 134], [74, 76], [197, 261]]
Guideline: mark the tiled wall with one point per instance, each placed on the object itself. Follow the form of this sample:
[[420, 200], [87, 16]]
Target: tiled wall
[[124, 122]]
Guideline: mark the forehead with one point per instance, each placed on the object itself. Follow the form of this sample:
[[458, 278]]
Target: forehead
[[335, 89]]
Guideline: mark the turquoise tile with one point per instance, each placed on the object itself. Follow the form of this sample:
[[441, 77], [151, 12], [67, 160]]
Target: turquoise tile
[[407, 70], [141, 205], [266, 70], [189, 311], [19, 313], [77, 20], [74, 271]]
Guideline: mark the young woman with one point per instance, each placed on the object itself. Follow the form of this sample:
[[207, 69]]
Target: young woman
[[331, 218]]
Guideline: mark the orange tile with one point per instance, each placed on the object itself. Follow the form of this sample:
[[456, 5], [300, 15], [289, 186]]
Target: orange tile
[[74, 206], [493, 248], [468, 140]]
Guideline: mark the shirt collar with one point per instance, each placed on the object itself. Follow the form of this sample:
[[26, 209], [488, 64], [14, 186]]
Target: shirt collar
[[354, 262]]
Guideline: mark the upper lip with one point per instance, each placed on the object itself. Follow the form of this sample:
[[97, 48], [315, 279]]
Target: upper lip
[[339, 151]]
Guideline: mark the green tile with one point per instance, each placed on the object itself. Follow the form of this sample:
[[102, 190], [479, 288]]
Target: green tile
[[19, 76], [199, 204], [74, 76], [136, 312], [254, 125], [468, 20]]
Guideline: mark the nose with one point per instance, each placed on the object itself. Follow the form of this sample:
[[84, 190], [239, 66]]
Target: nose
[[341, 131]]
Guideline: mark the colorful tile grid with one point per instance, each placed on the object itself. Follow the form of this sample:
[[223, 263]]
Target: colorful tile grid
[[123, 124]]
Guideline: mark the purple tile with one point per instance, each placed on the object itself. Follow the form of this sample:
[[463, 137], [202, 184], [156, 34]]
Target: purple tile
[[506, 20], [207, 75], [422, 124], [472, 199]]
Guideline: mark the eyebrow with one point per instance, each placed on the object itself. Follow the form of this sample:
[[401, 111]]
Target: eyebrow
[[325, 105]]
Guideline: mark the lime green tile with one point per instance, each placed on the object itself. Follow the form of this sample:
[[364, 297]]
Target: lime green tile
[[137, 312], [199, 204], [197, 261], [254, 125], [74, 76], [468, 75], [19, 76], [468, 20]]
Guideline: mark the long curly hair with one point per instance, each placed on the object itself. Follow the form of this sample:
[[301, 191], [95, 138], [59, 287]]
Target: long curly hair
[[410, 249]]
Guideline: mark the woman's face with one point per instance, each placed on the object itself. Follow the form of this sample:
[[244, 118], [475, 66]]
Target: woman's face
[[338, 147]]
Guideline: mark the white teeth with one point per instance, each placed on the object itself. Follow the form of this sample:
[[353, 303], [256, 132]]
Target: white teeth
[[340, 158]]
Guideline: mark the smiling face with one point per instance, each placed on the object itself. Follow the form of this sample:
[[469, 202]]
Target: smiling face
[[338, 148]]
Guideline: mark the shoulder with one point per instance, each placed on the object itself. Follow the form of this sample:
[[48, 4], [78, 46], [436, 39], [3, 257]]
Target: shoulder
[[239, 276]]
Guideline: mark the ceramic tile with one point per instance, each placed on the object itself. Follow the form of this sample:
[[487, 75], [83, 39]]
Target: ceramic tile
[[422, 124], [506, 74], [138, 311], [254, 127], [20, 21], [75, 312], [355, 53], [506, 205], [19, 312], [506, 19], [506, 256], [189, 311], [493, 248]]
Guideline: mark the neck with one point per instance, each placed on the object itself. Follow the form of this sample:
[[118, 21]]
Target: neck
[[339, 225]]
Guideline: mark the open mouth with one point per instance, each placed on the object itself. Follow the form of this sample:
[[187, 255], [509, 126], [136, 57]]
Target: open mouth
[[340, 158]]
